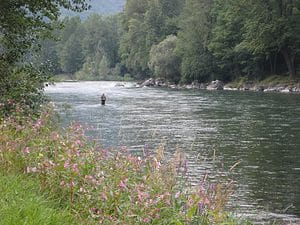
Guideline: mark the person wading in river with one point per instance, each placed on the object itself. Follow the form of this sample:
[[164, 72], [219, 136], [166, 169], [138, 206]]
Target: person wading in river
[[103, 99]]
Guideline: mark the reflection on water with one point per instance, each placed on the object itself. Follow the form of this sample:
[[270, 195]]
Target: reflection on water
[[261, 131]]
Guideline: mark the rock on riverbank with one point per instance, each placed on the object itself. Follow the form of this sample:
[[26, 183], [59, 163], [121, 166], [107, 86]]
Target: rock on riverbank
[[219, 85]]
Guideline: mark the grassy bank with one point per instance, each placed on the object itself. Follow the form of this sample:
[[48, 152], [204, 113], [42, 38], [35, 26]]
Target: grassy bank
[[104, 186], [22, 202], [270, 81]]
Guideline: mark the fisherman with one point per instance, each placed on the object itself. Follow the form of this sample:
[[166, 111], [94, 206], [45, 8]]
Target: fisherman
[[103, 99]]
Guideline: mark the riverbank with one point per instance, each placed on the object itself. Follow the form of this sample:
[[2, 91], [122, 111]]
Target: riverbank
[[107, 186], [272, 84], [23, 202]]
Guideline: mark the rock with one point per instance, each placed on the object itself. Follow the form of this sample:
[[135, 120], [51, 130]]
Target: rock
[[258, 88], [173, 86], [215, 85], [271, 89], [148, 83], [296, 89], [230, 89], [286, 90], [160, 82]]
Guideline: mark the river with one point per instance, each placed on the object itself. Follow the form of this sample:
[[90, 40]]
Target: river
[[215, 130]]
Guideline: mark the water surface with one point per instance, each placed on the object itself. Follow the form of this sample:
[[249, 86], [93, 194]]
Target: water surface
[[259, 130]]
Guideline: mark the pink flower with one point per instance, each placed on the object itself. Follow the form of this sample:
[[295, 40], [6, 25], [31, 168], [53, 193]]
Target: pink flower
[[38, 124], [146, 220], [122, 185], [26, 150], [78, 142], [103, 196], [177, 194], [75, 168], [67, 164], [33, 170]]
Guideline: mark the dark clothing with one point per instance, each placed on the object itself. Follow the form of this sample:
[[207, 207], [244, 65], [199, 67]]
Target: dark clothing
[[103, 99]]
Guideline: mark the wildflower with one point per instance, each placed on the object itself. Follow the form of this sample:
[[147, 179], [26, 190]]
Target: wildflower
[[31, 170], [177, 194], [75, 168], [26, 150], [122, 184], [38, 124], [200, 207], [103, 196], [67, 164], [95, 211], [78, 142], [146, 220], [55, 136]]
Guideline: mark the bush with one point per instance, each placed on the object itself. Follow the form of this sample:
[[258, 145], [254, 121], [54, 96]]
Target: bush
[[22, 89]]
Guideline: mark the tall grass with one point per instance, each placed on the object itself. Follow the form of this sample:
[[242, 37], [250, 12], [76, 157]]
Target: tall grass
[[21, 202], [108, 186]]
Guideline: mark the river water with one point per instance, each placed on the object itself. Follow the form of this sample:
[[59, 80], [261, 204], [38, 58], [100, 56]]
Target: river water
[[215, 130]]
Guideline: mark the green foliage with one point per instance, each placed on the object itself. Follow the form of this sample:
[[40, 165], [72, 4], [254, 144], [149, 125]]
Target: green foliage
[[21, 89], [81, 46], [22, 202], [107, 186], [23, 24], [146, 23], [193, 37], [164, 62]]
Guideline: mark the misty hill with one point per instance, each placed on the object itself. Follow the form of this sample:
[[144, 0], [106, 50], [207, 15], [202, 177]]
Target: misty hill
[[103, 7]]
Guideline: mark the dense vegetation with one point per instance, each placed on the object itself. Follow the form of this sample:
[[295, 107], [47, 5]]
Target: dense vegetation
[[96, 185], [22, 25], [180, 41], [183, 41]]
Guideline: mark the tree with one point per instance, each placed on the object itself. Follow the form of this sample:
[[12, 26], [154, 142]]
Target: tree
[[70, 47], [133, 50], [164, 62], [104, 68], [22, 24], [193, 37], [273, 27], [146, 23]]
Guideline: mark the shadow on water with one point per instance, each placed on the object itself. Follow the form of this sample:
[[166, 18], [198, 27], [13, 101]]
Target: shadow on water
[[261, 131]]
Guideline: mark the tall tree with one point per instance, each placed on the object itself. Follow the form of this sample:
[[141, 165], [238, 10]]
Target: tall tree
[[195, 31], [70, 47], [273, 27], [164, 62], [146, 23]]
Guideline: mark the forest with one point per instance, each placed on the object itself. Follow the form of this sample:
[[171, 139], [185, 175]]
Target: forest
[[181, 41], [175, 40]]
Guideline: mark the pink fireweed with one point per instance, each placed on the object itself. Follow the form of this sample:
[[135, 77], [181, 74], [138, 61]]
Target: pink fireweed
[[112, 186]]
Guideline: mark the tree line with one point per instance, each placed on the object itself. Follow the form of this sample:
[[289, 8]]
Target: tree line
[[177, 40], [182, 41]]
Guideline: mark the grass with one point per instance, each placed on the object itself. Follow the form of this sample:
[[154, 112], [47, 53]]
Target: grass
[[269, 81], [99, 186], [278, 80], [22, 202]]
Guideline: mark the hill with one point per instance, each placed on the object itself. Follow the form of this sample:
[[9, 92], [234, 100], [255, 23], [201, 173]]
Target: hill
[[103, 7]]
